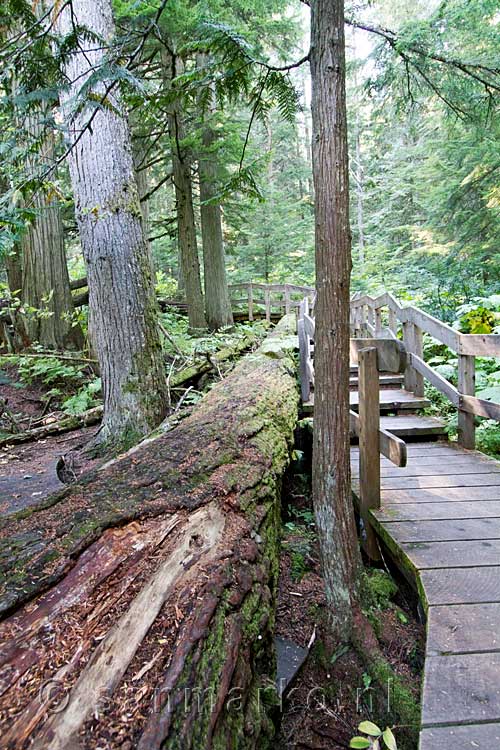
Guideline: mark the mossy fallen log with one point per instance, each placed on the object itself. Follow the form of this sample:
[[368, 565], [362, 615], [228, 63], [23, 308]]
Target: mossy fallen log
[[138, 603]]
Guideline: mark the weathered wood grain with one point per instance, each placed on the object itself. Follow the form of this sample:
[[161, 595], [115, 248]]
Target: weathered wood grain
[[457, 554], [445, 531], [461, 586], [472, 737], [463, 628], [460, 689]]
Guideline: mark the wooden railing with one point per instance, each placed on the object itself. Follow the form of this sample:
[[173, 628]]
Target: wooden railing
[[384, 316], [267, 298], [373, 356]]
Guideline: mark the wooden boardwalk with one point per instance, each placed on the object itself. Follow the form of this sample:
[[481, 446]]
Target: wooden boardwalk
[[440, 519], [435, 506]]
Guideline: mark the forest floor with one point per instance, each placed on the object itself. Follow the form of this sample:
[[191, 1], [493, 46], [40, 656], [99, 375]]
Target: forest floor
[[335, 691], [28, 470]]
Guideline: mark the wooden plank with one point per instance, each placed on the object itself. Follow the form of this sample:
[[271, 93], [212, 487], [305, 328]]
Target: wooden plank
[[466, 386], [461, 689], [383, 379], [463, 628], [471, 737], [434, 327], [461, 585], [458, 554], [369, 456], [445, 531], [480, 406], [435, 379], [305, 385], [430, 464], [418, 350], [437, 510], [454, 458], [393, 399], [391, 354], [309, 326], [413, 426], [391, 446], [480, 344], [445, 480], [436, 494], [409, 342], [435, 468]]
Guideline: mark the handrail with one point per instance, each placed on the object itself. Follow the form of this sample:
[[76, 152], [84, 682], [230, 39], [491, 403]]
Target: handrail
[[366, 319], [373, 356], [275, 296]]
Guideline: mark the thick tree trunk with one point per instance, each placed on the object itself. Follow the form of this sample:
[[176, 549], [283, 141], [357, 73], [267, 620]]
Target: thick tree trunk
[[217, 301], [45, 283], [122, 306], [157, 577], [186, 225], [331, 461]]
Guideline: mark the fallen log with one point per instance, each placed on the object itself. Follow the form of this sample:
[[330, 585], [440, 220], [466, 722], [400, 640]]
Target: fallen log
[[57, 427], [92, 416], [138, 604]]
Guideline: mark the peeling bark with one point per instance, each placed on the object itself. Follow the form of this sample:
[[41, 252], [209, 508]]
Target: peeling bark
[[188, 523]]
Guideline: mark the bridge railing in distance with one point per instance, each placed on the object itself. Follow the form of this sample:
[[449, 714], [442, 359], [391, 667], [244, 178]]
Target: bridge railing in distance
[[384, 316], [282, 298], [373, 356]]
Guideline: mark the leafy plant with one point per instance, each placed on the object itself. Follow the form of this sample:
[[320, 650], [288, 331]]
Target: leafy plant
[[376, 738], [84, 399]]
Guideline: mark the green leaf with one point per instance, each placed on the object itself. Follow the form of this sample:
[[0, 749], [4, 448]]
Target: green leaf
[[368, 727], [360, 743], [389, 739]]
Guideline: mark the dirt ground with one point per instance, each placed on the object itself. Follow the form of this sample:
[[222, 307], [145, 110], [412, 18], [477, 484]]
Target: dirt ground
[[334, 691], [28, 470]]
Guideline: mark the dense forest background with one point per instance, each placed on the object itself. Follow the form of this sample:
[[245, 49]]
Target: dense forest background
[[423, 150]]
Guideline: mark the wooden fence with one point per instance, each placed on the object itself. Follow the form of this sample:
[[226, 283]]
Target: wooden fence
[[384, 316], [268, 298], [388, 337]]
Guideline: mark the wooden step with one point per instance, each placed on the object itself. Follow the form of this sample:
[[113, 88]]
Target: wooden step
[[394, 399], [391, 399], [385, 379], [414, 426]]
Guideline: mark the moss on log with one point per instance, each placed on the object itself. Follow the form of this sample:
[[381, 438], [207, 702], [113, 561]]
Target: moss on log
[[139, 603]]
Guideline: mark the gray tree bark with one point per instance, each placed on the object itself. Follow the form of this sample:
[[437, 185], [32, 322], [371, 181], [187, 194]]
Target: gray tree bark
[[45, 278], [122, 305], [331, 459], [217, 302], [186, 224]]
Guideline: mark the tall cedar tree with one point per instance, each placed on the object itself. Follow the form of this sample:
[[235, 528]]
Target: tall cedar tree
[[331, 462], [123, 316]]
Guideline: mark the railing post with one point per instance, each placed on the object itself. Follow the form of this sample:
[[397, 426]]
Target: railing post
[[267, 298], [369, 449], [250, 301], [378, 322], [466, 387], [409, 342], [393, 323], [418, 348], [287, 300]]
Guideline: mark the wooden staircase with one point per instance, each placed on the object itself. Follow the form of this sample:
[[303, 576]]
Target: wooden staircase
[[433, 505], [400, 409]]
